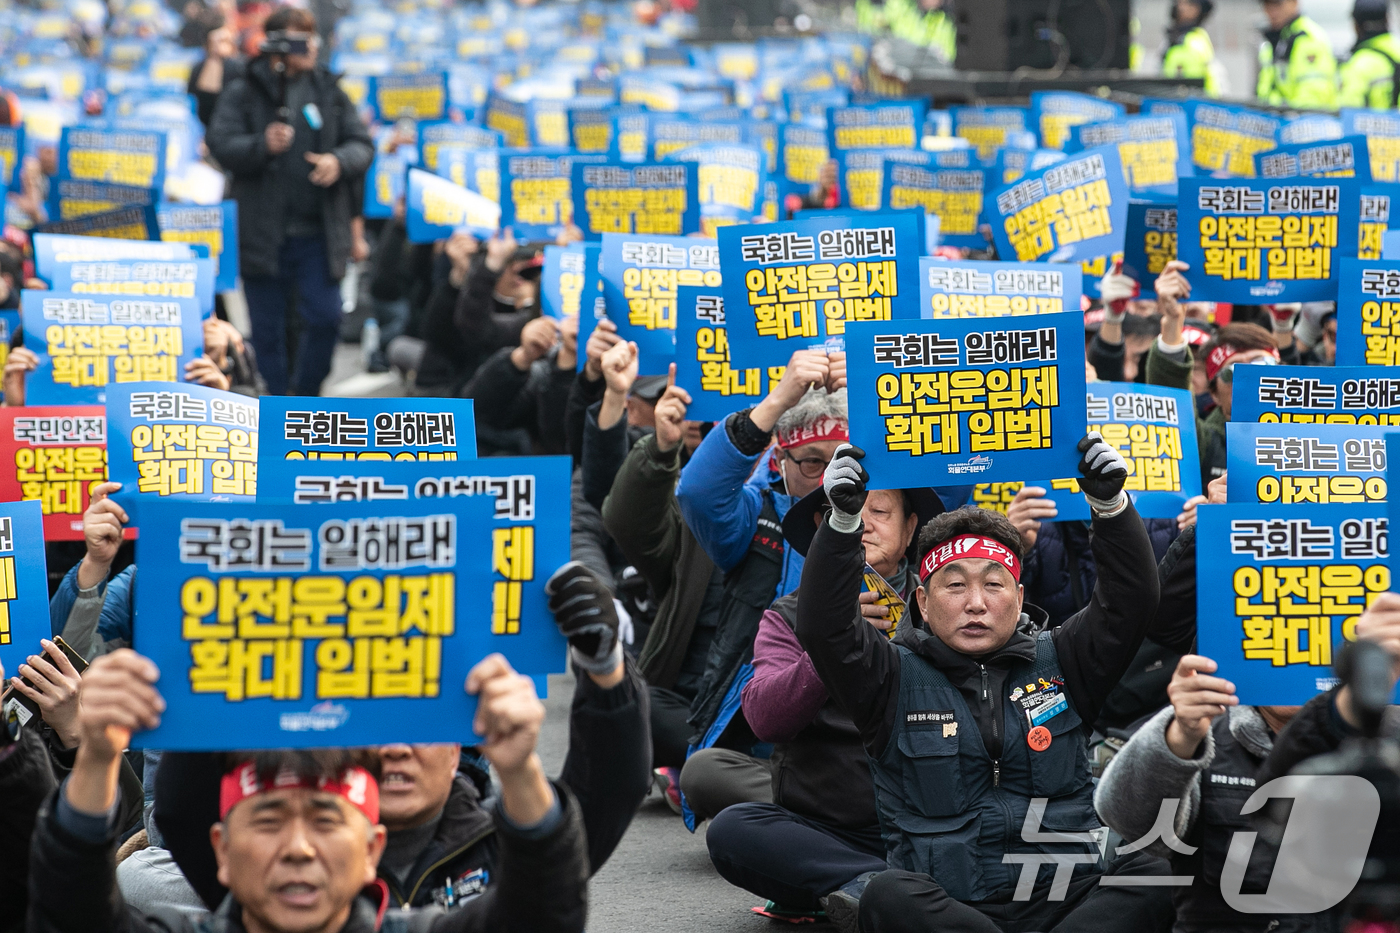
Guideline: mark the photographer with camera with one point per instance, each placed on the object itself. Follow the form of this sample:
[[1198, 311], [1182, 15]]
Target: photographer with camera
[[293, 143]]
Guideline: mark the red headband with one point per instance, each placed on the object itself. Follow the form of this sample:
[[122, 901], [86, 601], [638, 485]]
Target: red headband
[[969, 546], [1216, 359], [825, 428], [355, 784]]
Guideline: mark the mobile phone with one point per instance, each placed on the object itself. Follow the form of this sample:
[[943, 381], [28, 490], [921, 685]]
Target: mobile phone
[[20, 708]]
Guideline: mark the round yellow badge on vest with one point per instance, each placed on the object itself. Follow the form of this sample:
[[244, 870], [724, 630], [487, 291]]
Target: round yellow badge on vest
[[1038, 739]]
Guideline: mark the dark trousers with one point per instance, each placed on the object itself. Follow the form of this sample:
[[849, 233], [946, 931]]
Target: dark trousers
[[670, 733], [303, 273], [788, 859], [897, 901]]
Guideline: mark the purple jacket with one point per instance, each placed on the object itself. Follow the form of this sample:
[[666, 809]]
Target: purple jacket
[[785, 693]]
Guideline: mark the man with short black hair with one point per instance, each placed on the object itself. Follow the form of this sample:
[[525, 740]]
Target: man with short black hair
[[976, 728]]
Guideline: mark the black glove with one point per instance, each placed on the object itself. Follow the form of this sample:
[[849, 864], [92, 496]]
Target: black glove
[[1103, 472], [584, 611], [844, 483]]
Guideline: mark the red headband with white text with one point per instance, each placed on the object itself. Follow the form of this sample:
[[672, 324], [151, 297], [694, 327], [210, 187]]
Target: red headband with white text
[[965, 547], [355, 784]]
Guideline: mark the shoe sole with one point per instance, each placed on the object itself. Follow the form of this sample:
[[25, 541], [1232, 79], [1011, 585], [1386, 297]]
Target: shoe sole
[[842, 912], [663, 784]]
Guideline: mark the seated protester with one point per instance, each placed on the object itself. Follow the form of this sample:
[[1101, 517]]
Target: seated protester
[[1323, 351], [1205, 751], [298, 838], [91, 609], [441, 846], [968, 721], [734, 511], [820, 829], [589, 386], [445, 364], [521, 392]]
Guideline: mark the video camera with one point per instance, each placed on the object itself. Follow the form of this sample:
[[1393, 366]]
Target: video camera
[[284, 43]]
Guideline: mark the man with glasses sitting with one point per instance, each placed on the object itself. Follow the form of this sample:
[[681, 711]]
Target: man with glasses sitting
[[733, 495]]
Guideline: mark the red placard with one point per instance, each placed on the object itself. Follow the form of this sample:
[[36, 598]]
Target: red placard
[[55, 454]]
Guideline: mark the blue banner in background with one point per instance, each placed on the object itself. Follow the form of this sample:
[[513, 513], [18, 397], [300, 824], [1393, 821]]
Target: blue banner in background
[[52, 250], [437, 208], [1284, 592], [122, 157], [69, 199], [86, 343], [1252, 241], [536, 200], [1368, 313], [1316, 394], [1070, 211], [1226, 138], [134, 222], [1380, 212], [298, 626], [182, 442], [421, 96], [215, 226], [437, 137], [641, 275], [1149, 244], [894, 124], [1306, 464], [11, 156], [797, 285], [970, 288], [630, 198], [729, 181], [1332, 158], [1382, 132], [989, 128], [24, 584], [151, 279], [1154, 428], [953, 195], [951, 402], [1153, 149], [1054, 112]]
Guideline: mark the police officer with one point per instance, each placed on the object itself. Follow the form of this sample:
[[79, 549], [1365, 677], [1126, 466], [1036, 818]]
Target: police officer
[[968, 721], [1368, 77], [1296, 64], [1190, 53], [924, 23]]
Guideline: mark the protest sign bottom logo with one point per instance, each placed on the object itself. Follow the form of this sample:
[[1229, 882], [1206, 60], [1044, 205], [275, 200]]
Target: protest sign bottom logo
[[323, 717]]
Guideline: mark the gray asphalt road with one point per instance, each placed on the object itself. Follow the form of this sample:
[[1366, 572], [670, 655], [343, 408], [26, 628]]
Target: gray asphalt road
[[660, 877]]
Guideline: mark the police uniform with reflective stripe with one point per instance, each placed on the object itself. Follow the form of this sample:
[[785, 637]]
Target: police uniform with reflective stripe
[[948, 809]]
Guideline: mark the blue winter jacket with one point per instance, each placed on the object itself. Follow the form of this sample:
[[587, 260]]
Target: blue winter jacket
[[114, 625], [720, 495]]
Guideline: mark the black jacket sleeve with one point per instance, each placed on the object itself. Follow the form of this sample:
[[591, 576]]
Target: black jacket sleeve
[[1097, 643], [187, 804], [233, 140], [498, 389], [537, 884], [603, 454], [582, 394], [388, 276], [354, 148], [550, 403], [609, 762], [1107, 359], [26, 778], [1316, 730], [858, 665], [1174, 625]]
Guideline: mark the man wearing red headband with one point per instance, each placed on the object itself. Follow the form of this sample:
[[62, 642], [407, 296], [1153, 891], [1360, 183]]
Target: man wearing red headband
[[976, 727], [299, 838]]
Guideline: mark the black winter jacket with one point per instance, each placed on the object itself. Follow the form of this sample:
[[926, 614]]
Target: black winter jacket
[[236, 139], [26, 778], [861, 668], [538, 885], [1060, 572]]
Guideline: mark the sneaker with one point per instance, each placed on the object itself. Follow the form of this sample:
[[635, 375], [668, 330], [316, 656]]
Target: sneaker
[[668, 781], [842, 906], [378, 362], [775, 911]]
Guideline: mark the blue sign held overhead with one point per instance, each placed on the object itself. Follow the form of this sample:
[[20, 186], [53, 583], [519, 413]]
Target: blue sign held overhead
[[641, 275], [437, 208], [630, 198], [24, 585], [1154, 149], [1316, 394], [1053, 113], [1070, 211], [971, 288], [1306, 464], [1368, 313], [1330, 158], [215, 226], [1150, 243]]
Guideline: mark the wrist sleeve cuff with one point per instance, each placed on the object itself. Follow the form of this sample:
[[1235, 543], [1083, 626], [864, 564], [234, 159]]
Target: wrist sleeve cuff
[[840, 521], [1172, 349], [1107, 508]]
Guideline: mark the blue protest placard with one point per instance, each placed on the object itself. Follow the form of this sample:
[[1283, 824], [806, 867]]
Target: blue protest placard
[[989, 128], [24, 584], [1306, 464], [136, 222], [1070, 211], [1225, 138], [86, 344], [436, 208], [1331, 158], [1377, 218], [618, 197], [1283, 593], [953, 195], [69, 198], [797, 285], [1054, 112], [591, 129], [214, 225], [527, 527], [536, 199], [561, 280], [949, 402], [139, 278], [1310, 128], [1382, 132], [718, 382], [886, 124], [385, 182], [1368, 313], [1011, 163], [1316, 394], [477, 170], [969, 288], [359, 432], [1153, 149], [669, 133], [437, 137], [508, 117], [1252, 241], [11, 156], [52, 250], [308, 625], [421, 96], [592, 306], [1150, 243], [730, 183], [640, 276], [802, 151], [182, 442], [860, 174], [123, 157], [1154, 428]]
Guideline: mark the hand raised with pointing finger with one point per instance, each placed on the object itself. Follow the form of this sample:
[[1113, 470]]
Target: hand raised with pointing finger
[[670, 414]]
